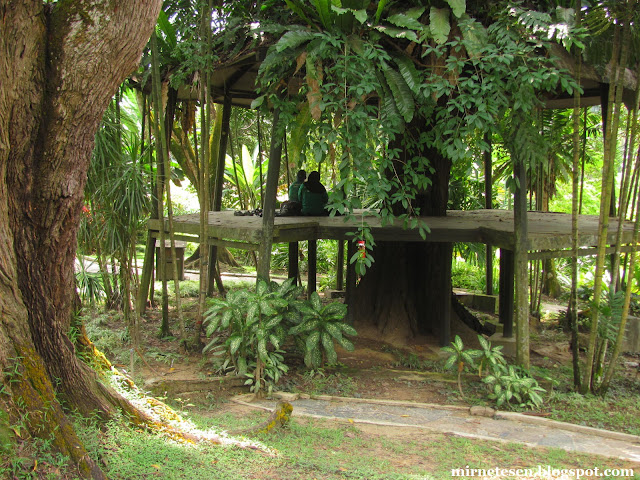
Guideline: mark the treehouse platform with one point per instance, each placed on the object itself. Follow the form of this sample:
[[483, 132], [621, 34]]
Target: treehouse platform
[[548, 236], [549, 233]]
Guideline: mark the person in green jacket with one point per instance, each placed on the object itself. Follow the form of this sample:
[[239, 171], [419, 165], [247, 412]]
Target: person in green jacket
[[313, 196], [294, 188]]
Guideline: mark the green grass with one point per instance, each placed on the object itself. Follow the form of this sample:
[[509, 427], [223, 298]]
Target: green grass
[[312, 448], [618, 411], [109, 340], [321, 382]]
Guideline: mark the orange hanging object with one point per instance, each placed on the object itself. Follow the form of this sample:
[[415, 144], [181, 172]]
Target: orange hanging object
[[362, 247]]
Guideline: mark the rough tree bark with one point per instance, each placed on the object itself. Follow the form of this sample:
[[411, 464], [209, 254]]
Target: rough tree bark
[[401, 294], [60, 63]]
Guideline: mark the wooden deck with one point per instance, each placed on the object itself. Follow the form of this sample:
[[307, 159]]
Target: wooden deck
[[547, 231]]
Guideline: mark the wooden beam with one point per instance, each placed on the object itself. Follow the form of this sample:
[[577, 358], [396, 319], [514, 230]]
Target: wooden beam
[[445, 320], [582, 252], [147, 273], [269, 210], [216, 204], [216, 241], [488, 204]]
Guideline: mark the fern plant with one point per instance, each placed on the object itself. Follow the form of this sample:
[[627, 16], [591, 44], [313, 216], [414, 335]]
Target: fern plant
[[320, 328], [249, 328], [255, 324], [512, 386]]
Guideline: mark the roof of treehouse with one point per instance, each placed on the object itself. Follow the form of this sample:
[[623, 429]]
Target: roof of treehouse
[[237, 77]]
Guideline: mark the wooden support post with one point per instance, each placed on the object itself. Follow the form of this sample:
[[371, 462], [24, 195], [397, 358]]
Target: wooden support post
[[216, 204], [293, 262], [488, 203], [340, 266], [269, 210], [147, 272], [505, 302], [312, 258], [521, 264], [445, 308], [489, 269], [351, 273]]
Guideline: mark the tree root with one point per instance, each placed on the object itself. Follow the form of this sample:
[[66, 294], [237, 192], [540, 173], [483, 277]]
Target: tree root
[[158, 417], [279, 418]]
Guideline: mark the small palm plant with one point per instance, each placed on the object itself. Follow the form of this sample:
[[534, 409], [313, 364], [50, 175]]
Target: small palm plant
[[320, 328], [459, 357], [508, 385], [490, 357]]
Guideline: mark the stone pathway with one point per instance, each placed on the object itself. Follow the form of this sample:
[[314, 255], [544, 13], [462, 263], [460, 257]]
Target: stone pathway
[[498, 426]]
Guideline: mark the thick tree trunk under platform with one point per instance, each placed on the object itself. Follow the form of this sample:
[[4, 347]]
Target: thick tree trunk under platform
[[407, 291]]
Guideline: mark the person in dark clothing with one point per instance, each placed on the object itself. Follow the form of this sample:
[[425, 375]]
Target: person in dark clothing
[[294, 188], [293, 207], [313, 196]]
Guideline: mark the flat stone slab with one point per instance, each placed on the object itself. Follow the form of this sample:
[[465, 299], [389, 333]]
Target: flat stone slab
[[502, 426]]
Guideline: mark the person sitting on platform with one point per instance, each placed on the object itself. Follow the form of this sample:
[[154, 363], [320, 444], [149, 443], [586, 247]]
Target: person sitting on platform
[[293, 207], [295, 186], [313, 196]]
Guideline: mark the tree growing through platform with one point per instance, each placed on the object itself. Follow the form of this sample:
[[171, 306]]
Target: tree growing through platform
[[397, 93]]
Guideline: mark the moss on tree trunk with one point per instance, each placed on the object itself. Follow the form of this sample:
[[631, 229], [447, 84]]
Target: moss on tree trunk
[[60, 64]]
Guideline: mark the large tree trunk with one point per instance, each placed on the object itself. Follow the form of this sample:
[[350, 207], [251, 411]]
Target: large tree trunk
[[60, 64], [407, 291]]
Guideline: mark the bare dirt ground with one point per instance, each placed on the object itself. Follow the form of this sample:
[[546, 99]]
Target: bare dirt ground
[[375, 369], [403, 370]]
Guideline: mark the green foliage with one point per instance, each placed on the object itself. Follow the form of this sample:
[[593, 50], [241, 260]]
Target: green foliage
[[411, 360], [365, 242], [89, 284], [320, 327], [254, 321], [459, 358], [327, 253], [245, 176], [486, 79], [513, 387], [7, 442], [508, 385], [117, 201], [467, 276], [617, 411], [107, 339], [490, 357], [249, 329]]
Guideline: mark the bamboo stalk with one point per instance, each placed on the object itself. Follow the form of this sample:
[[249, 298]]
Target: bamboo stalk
[[576, 201], [620, 49], [632, 261], [204, 173], [160, 153]]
